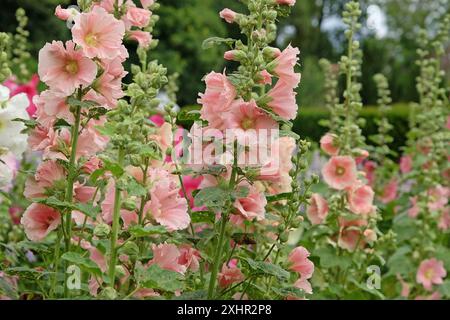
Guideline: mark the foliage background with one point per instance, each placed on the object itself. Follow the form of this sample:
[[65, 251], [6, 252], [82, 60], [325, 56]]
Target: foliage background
[[185, 24]]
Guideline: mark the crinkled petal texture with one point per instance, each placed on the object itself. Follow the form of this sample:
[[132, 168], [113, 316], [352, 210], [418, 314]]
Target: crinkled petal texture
[[99, 34], [216, 100], [298, 258], [360, 199], [166, 206], [340, 172], [282, 100], [65, 68], [39, 220], [317, 210], [253, 206], [285, 64], [167, 256]]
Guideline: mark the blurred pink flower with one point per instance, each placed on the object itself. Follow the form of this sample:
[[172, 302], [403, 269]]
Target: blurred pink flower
[[431, 271], [328, 144], [340, 172], [317, 210], [39, 220]]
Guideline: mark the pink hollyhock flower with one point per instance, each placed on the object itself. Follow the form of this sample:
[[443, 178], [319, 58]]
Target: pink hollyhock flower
[[95, 255], [138, 17], [415, 209], [143, 38], [406, 164], [304, 285], [99, 34], [15, 212], [90, 141], [431, 271], [369, 170], [146, 293], [189, 257], [317, 210], [247, 116], [299, 262], [438, 198], [405, 287], [389, 192], [230, 274], [370, 235], [328, 144], [66, 14], [266, 77], [83, 193], [444, 220], [190, 185], [166, 206], [340, 172], [285, 64], [47, 174], [253, 206], [30, 89], [39, 220], [110, 87], [158, 120], [360, 199], [434, 296], [350, 234], [65, 69], [286, 2], [40, 138], [216, 100], [107, 207], [147, 3], [94, 163], [361, 155], [51, 105], [167, 256], [228, 15], [282, 100]]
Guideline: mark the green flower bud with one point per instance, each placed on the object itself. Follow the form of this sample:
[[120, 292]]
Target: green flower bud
[[109, 293], [102, 230]]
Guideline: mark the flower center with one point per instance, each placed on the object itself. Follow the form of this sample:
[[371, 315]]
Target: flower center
[[72, 67], [91, 40], [340, 171], [429, 274], [247, 123]]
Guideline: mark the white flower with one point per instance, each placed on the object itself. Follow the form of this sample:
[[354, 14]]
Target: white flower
[[8, 170], [10, 136]]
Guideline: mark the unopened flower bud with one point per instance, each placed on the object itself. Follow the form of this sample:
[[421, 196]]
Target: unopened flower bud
[[102, 230]]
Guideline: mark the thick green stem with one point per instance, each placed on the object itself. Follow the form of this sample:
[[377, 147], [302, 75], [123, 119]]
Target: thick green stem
[[217, 258], [67, 226], [115, 224]]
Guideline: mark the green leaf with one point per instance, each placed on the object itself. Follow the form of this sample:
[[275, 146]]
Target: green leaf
[[115, 168], [278, 197], [267, 269], [134, 188], [329, 258], [203, 216], [244, 238], [213, 41], [400, 263], [140, 231], [156, 278], [444, 289], [212, 197], [87, 209], [83, 262]]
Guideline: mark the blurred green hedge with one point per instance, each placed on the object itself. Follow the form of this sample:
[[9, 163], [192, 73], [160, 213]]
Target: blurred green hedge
[[307, 123]]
